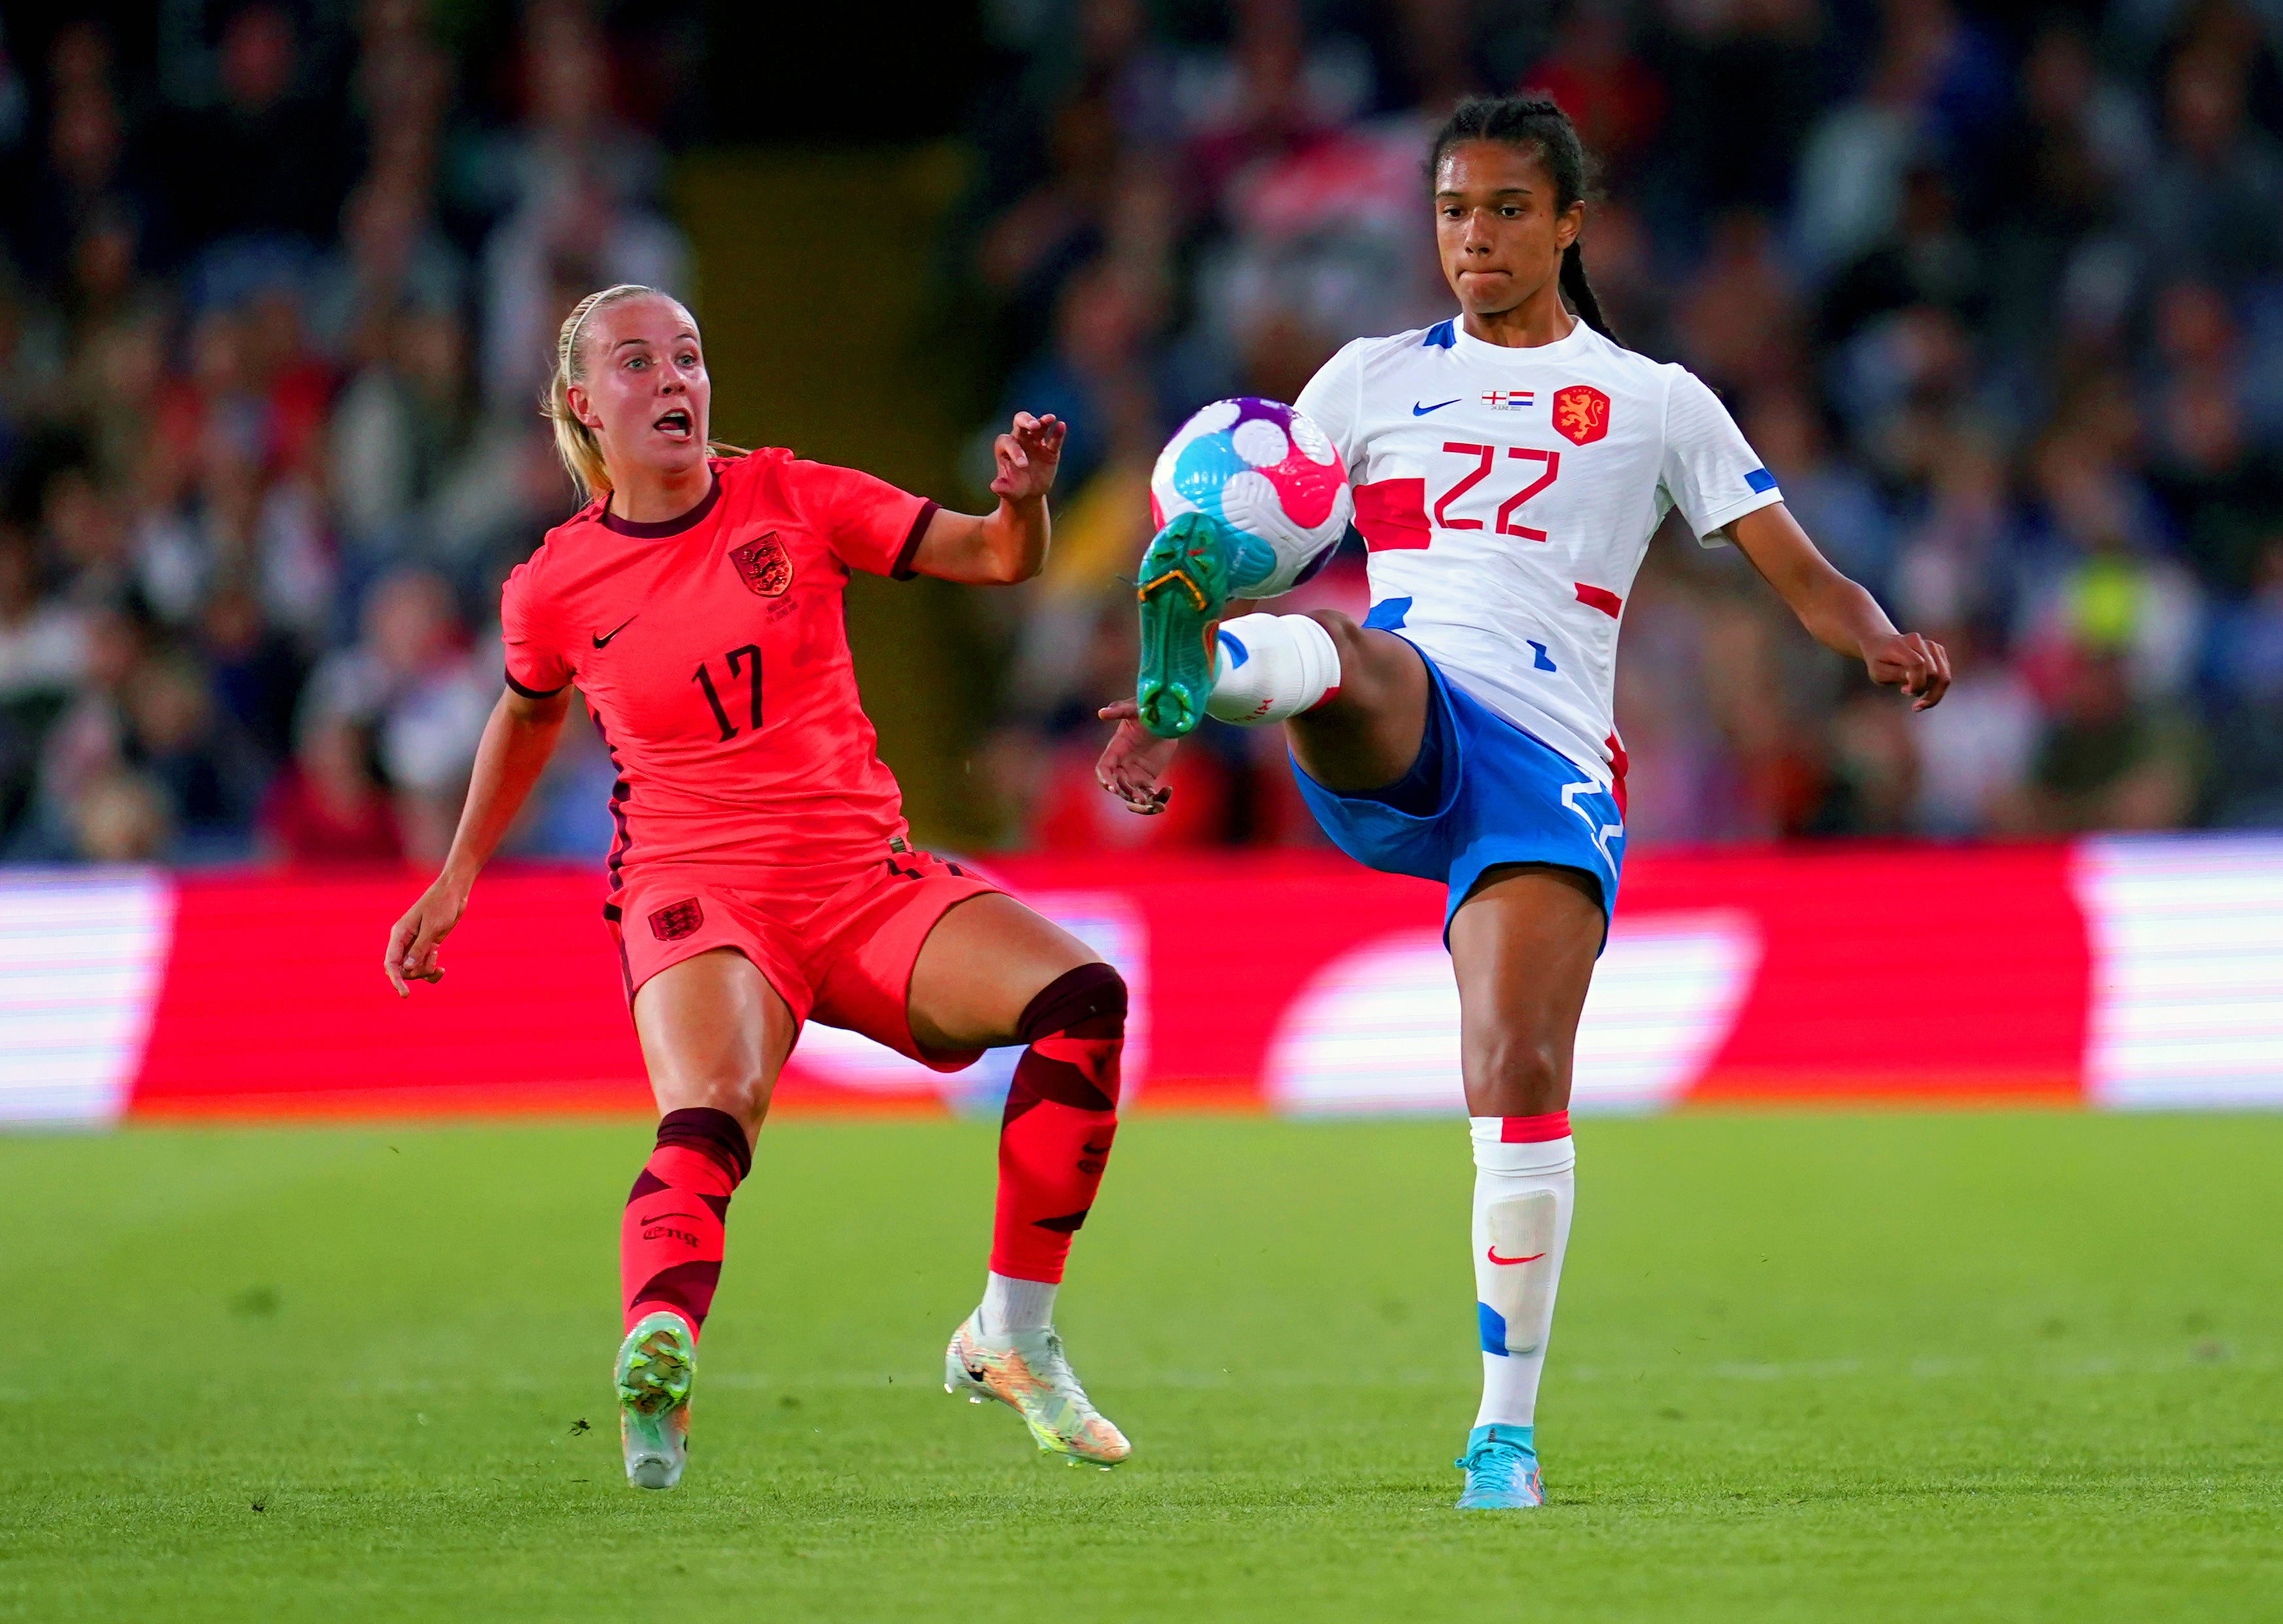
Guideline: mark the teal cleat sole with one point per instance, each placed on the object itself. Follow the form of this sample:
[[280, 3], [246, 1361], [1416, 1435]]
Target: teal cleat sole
[[1184, 586]]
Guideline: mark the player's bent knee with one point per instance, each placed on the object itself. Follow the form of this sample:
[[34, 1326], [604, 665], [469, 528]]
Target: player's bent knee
[[1515, 1076], [1093, 994], [1077, 1020], [1345, 633], [744, 1095], [1374, 667]]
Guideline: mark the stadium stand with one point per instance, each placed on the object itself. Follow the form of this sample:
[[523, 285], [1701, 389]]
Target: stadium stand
[[2000, 301]]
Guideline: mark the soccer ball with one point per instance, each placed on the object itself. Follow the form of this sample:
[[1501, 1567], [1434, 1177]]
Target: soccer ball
[[1270, 476]]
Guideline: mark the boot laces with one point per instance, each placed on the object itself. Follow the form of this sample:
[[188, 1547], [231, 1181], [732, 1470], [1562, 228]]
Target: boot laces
[[1052, 1364], [1495, 1455]]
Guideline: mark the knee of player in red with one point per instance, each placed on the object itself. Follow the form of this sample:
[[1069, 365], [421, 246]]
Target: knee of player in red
[[1061, 1119], [674, 1228]]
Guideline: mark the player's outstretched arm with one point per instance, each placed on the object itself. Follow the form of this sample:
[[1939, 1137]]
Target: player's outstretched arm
[[1008, 544], [517, 742], [1837, 612]]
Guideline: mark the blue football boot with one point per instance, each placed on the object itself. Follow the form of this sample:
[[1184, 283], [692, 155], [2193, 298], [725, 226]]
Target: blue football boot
[[1501, 1467]]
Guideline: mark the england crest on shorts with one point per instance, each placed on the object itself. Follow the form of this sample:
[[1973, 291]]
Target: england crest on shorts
[[677, 920], [763, 565]]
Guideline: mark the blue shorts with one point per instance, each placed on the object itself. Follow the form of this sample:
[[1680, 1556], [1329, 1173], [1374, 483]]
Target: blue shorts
[[1491, 793]]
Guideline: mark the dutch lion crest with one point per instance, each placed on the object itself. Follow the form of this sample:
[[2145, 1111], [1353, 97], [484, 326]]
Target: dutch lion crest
[[763, 565], [1581, 414]]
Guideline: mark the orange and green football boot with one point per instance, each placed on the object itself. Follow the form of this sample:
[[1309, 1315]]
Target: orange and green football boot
[[1027, 1371]]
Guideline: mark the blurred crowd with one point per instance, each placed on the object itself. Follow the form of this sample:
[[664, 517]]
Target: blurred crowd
[[276, 298], [1997, 292]]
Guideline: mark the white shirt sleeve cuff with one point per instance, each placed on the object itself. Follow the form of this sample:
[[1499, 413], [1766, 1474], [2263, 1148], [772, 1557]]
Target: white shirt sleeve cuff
[[1707, 530]]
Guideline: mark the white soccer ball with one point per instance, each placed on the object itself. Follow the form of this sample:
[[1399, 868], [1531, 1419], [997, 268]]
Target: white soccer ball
[[1270, 476]]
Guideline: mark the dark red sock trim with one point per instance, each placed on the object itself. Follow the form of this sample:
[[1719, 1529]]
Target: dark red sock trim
[[712, 1133], [1076, 1002]]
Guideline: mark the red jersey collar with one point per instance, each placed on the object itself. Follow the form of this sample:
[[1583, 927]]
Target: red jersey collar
[[665, 526]]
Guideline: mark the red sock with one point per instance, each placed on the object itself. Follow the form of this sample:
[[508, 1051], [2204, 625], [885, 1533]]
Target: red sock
[[1062, 1113], [671, 1236]]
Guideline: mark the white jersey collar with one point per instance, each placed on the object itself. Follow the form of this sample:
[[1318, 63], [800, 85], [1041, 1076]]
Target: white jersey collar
[[1472, 348]]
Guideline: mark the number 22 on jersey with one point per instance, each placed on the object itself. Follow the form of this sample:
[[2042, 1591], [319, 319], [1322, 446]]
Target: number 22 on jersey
[[1486, 459]]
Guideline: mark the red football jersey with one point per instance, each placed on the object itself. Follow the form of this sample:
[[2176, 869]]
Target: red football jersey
[[712, 651]]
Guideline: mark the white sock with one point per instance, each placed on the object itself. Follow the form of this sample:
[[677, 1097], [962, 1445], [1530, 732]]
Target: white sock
[[1271, 667], [1523, 1194], [1011, 1305]]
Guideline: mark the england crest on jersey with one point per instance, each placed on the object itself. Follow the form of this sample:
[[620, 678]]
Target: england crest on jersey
[[763, 565]]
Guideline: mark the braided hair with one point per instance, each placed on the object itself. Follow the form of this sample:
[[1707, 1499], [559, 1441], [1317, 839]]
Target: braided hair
[[1537, 125]]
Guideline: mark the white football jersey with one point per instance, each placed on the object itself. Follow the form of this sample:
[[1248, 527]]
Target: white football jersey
[[1508, 497]]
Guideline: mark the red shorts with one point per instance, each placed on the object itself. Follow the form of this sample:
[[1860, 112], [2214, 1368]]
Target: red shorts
[[844, 958]]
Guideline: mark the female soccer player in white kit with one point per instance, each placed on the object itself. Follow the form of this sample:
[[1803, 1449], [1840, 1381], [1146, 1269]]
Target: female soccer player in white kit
[[1509, 467]]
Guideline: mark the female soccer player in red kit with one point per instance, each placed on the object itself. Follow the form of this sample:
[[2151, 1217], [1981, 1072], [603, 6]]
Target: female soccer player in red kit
[[761, 874]]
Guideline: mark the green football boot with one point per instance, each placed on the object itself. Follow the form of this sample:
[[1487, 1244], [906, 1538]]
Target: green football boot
[[655, 1363], [1184, 586]]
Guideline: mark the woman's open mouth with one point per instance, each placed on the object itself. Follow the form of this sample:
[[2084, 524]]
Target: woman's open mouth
[[674, 424]]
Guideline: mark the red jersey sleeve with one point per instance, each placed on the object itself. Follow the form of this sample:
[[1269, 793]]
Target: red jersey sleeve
[[868, 523], [536, 663]]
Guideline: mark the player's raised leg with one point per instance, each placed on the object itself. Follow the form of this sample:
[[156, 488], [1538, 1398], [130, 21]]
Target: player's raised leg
[[713, 1034], [1257, 668], [1523, 945], [994, 972], [1355, 696]]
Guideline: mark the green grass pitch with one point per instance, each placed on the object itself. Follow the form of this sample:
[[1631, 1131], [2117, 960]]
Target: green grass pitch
[[1812, 1367]]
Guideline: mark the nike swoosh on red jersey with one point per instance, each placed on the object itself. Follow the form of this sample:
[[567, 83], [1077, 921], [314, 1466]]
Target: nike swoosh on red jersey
[[1492, 1253]]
